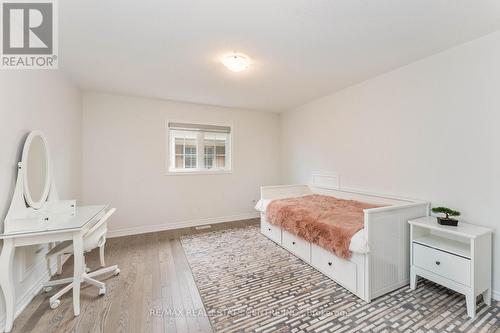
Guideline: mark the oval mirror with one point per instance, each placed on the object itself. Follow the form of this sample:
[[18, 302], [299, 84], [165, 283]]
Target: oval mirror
[[36, 170]]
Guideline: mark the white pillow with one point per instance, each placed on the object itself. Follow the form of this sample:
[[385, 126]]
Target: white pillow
[[262, 204], [359, 243]]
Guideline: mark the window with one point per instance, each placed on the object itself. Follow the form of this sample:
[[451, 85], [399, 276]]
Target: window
[[199, 148]]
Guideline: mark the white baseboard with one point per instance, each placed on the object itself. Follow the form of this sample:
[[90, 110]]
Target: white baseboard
[[176, 225], [23, 301]]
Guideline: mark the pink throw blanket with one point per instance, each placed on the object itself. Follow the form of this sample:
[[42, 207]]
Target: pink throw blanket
[[323, 220]]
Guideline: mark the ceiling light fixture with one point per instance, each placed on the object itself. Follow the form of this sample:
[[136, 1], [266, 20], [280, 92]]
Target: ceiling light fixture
[[236, 62]]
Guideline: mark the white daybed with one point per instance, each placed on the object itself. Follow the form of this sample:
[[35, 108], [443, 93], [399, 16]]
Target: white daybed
[[375, 268]]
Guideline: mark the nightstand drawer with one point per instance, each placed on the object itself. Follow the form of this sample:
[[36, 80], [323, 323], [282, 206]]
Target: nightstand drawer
[[447, 265]]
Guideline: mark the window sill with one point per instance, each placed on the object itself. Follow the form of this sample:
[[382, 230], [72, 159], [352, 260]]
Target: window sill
[[197, 172]]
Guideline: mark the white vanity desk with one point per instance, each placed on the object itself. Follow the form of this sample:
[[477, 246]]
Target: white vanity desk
[[60, 227], [37, 216]]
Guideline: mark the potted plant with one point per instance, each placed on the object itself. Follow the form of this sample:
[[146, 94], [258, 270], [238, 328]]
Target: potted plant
[[448, 212]]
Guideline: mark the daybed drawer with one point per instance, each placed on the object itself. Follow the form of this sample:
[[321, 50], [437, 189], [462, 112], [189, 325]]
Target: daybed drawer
[[298, 246], [442, 263], [340, 270], [272, 232]]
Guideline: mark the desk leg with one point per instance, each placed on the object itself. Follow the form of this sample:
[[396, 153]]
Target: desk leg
[[7, 281], [78, 270]]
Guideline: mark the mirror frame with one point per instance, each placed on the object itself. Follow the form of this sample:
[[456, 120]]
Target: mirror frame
[[24, 160]]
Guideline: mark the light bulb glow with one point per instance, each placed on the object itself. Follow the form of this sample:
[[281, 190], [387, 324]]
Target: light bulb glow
[[236, 62]]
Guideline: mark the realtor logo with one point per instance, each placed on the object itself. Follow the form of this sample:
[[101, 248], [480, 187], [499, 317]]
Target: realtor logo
[[29, 38]]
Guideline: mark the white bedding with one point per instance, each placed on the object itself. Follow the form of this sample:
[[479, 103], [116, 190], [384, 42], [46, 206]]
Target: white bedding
[[359, 243]]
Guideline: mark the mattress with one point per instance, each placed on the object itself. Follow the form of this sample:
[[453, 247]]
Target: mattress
[[359, 241]]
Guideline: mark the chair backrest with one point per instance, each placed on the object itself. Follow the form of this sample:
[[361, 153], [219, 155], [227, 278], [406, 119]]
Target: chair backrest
[[96, 236]]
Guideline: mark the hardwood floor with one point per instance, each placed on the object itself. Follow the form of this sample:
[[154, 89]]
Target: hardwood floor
[[155, 291]]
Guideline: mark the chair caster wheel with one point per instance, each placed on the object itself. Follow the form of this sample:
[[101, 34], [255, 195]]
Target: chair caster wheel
[[46, 289], [102, 291], [55, 304], [116, 272]]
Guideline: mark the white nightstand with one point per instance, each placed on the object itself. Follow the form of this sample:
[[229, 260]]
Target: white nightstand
[[458, 258]]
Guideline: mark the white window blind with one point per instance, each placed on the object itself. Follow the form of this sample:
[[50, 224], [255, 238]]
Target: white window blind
[[199, 148], [199, 128]]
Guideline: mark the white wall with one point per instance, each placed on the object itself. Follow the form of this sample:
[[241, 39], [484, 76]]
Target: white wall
[[42, 100], [428, 130], [124, 163]]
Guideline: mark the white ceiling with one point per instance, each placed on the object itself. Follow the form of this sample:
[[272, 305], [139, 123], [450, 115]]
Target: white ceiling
[[302, 49]]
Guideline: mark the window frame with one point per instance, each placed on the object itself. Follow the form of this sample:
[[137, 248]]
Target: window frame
[[200, 149]]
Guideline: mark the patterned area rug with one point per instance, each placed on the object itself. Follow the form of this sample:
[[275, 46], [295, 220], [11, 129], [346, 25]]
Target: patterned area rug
[[250, 284]]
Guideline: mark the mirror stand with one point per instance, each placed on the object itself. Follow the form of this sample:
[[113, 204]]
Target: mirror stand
[[21, 216]]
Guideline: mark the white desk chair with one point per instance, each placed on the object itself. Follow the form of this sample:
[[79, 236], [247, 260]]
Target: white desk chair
[[94, 238], [67, 244]]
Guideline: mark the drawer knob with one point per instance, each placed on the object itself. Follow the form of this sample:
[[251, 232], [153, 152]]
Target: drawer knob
[[330, 263], [438, 263], [269, 229], [293, 243]]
